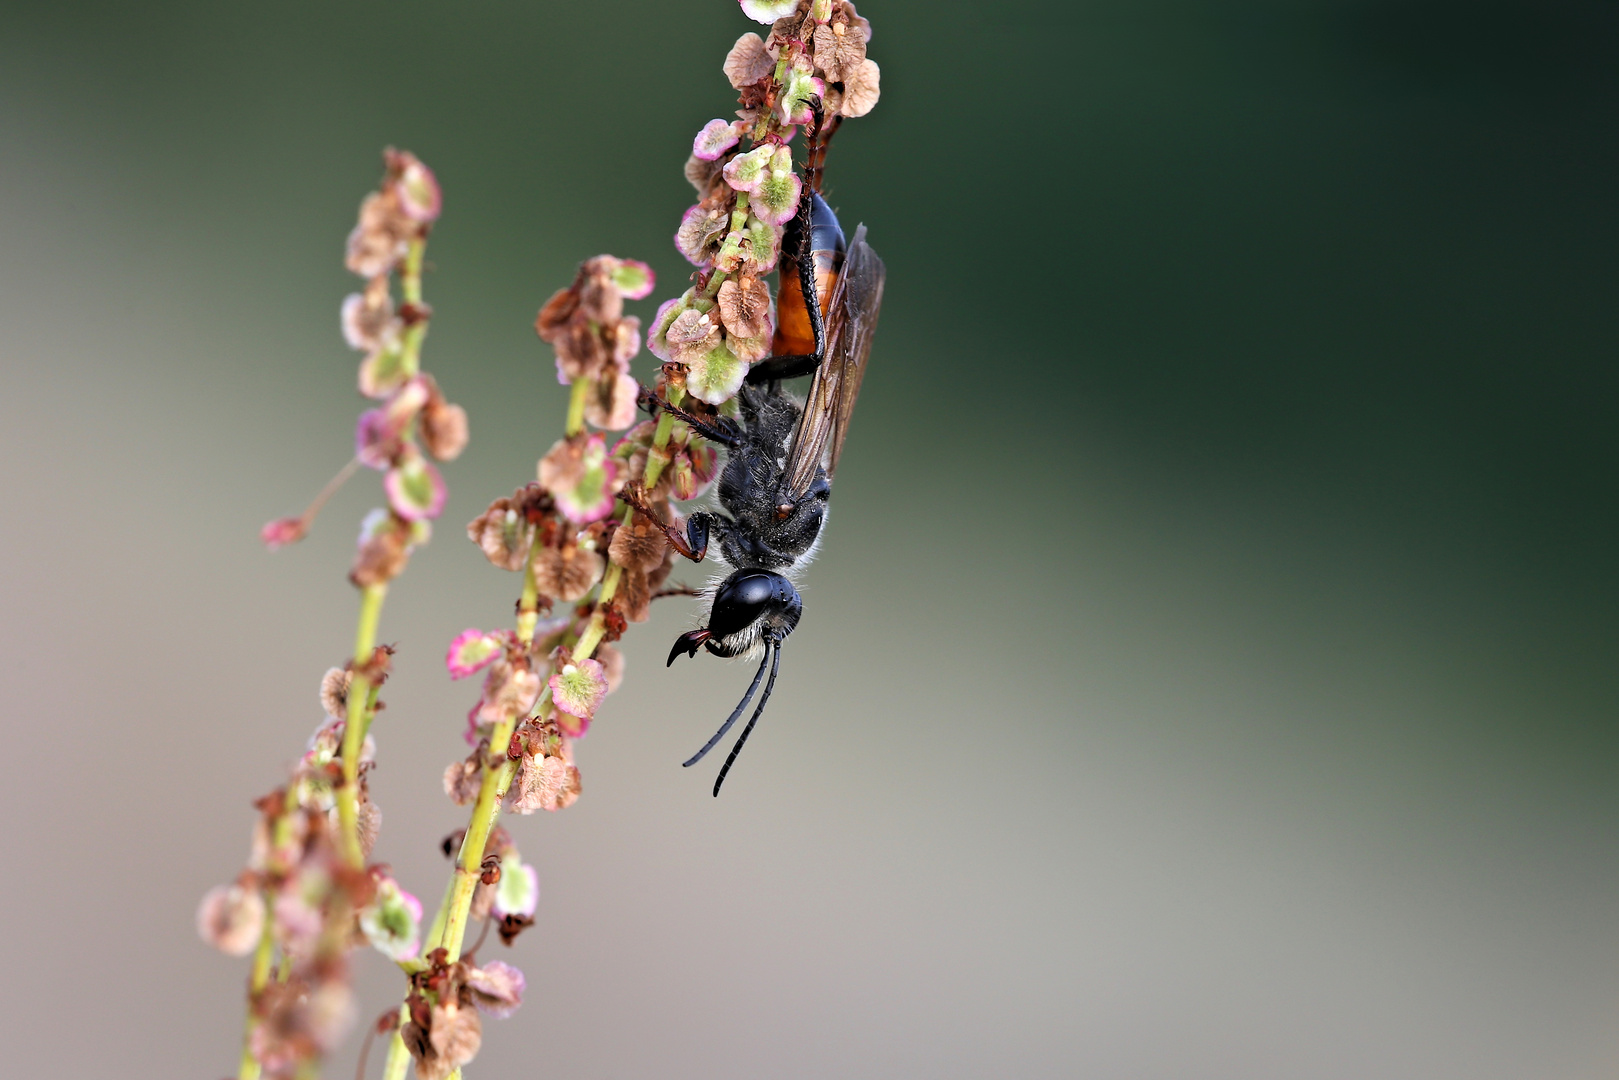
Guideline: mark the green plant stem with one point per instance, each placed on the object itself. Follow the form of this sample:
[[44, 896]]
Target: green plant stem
[[576, 407], [597, 627], [733, 240], [354, 728], [257, 981], [410, 275], [398, 1057], [449, 926]]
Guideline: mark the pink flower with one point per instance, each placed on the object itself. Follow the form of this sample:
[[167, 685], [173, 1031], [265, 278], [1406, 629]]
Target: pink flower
[[415, 488], [716, 137], [231, 918], [471, 652], [417, 188], [578, 688], [518, 891], [393, 921], [283, 531], [768, 11], [634, 279], [497, 988]]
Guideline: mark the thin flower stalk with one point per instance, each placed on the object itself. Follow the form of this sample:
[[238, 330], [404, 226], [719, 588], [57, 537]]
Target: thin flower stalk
[[306, 890], [541, 688]]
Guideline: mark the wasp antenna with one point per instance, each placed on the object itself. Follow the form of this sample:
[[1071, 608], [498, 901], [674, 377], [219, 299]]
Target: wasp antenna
[[775, 664], [743, 704]]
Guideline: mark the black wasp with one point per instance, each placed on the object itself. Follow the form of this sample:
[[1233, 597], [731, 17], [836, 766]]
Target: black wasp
[[781, 458]]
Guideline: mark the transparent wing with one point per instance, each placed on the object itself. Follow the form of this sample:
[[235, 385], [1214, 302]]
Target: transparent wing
[[851, 323], [864, 274]]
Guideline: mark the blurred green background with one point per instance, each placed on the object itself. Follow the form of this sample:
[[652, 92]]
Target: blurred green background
[[1210, 671]]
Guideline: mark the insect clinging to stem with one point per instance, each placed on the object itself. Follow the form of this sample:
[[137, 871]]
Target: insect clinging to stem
[[781, 458]]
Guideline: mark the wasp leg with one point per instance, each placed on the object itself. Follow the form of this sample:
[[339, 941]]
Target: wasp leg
[[693, 543], [776, 368], [722, 430]]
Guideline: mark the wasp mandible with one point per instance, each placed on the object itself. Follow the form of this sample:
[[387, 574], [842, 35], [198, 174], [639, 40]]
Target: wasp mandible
[[781, 458]]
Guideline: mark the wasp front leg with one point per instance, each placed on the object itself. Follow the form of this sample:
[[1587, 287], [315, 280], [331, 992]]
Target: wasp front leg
[[721, 430], [693, 543]]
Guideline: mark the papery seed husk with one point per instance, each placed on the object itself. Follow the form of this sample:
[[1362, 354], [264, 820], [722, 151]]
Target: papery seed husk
[[443, 428], [744, 306], [502, 534], [562, 466], [839, 54], [861, 88], [555, 314], [634, 596], [748, 61], [638, 545], [566, 574], [463, 779], [334, 692]]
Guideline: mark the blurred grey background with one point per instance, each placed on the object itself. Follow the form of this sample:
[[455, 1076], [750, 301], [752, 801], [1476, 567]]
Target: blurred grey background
[[1210, 670]]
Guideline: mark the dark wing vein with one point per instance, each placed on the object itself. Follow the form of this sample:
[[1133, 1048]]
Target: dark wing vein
[[851, 321]]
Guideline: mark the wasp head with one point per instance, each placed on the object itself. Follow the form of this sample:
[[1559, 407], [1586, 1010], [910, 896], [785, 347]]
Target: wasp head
[[748, 605]]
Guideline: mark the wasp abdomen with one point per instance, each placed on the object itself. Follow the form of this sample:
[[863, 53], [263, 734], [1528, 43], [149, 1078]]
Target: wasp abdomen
[[794, 335]]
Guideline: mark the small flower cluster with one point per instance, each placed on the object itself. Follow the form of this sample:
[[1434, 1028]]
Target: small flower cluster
[[412, 415], [814, 60], [444, 1031], [300, 897]]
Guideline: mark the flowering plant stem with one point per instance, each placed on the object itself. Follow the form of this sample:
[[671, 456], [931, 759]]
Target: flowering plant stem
[[257, 981], [359, 720], [449, 926]]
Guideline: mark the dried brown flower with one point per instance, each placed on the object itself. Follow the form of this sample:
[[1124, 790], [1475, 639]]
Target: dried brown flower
[[703, 174], [462, 779], [840, 48], [693, 335], [508, 692], [334, 692], [563, 465], [701, 232], [454, 1035], [860, 89], [443, 427], [503, 533], [368, 317], [611, 401], [748, 61], [639, 544], [600, 299], [567, 573], [231, 918], [553, 317], [545, 782], [381, 238], [744, 306], [382, 555], [634, 596]]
